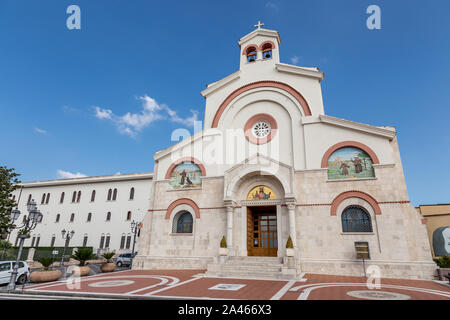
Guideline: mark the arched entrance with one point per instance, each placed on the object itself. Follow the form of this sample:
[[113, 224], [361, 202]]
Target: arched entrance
[[262, 233]]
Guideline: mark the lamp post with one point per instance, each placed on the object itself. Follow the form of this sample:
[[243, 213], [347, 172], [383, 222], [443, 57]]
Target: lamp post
[[134, 230], [30, 222], [66, 236]]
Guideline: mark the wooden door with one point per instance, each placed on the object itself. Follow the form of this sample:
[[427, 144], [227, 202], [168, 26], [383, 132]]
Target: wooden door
[[262, 233]]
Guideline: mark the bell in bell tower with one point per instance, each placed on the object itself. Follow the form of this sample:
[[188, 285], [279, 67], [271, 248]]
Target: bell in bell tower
[[259, 48]]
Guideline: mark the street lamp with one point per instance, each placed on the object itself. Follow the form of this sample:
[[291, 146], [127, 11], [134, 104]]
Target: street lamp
[[29, 223], [134, 230], [67, 236]]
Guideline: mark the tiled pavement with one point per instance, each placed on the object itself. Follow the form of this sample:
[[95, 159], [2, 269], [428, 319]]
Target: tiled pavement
[[192, 284]]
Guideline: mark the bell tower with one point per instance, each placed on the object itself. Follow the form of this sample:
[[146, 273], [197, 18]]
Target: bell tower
[[259, 48]]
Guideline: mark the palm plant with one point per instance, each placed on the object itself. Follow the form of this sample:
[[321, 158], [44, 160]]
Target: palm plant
[[82, 255], [108, 256], [46, 262]]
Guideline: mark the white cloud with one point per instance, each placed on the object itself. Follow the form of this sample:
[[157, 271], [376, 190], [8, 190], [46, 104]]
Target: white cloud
[[39, 130], [67, 175], [271, 5], [132, 123], [295, 59]]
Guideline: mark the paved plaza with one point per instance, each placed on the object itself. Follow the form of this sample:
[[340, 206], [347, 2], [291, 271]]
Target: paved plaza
[[192, 284]]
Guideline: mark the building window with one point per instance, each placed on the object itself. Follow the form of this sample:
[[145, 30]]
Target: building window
[[52, 243], [356, 219], [61, 199], [122, 242], [128, 242], [182, 223], [74, 196], [48, 198], [128, 215], [32, 241], [79, 196], [102, 241], [267, 51], [107, 241], [85, 239], [131, 193], [114, 194], [89, 217], [38, 239], [43, 199], [15, 243], [251, 54], [57, 217], [108, 216], [109, 194], [72, 217], [29, 198], [93, 196]]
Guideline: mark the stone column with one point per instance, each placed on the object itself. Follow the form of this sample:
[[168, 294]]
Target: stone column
[[292, 232], [229, 237]]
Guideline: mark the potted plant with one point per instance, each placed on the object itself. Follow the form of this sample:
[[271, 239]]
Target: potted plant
[[109, 265], [223, 250], [46, 274], [289, 247], [82, 255]]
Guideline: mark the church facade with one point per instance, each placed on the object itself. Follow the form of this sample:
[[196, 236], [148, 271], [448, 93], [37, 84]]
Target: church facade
[[270, 165]]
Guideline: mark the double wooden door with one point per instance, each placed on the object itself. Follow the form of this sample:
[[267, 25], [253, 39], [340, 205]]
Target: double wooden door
[[262, 231]]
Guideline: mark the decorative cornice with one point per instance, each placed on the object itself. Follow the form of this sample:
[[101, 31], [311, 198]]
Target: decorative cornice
[[307, 72], [212, 87], [260, 32], [379, 131]]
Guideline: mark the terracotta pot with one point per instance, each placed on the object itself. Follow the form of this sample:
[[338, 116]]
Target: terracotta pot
[[81, 271], [108, 267], [45, 276]]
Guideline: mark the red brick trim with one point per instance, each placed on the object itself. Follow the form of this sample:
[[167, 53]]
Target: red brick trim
[[354, 194], [260, 117], [259, 84], [262, 45], [183, 201], [192, 159], [344, 144], [244, 52]]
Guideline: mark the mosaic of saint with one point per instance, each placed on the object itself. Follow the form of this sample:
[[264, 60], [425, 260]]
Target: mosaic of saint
[[186, 175], [261, 193], [350, 163]]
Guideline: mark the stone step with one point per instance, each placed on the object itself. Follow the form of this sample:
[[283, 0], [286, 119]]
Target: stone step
[[255, 259], [252, 274], [243, 268]]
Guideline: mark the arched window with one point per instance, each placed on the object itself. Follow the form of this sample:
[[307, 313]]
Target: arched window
[[350, 163], [114, 194], [85, 239], [72, 217], [61, 199], [29, 198], [128, 215], [108, 238], [89, 217], [131, 193], [109, 194], [38, 239], [108, 216], [52, 243], [57, 217], [14, 198], [267, 51], [74, 196], [93, 196], [356, 219], [251, 54], [43, 199], [102, 241], [79, 196], [48, 198], [182, 223]]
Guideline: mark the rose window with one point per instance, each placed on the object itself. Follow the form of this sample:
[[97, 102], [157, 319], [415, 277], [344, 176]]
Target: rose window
[[261, 129]]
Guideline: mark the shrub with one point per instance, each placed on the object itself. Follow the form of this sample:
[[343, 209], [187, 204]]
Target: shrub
[[443, 262], [108, 256], [83, 254], [223, 242], [46, 262], [289, 244]]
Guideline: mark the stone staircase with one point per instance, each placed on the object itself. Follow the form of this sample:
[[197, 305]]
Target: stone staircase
[[251, 267]]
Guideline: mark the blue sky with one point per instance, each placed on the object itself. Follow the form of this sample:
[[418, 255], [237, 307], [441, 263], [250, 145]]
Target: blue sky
[[55, 83]]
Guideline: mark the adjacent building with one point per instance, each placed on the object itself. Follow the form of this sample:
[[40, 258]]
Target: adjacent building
[[98, 209], [437, 219]]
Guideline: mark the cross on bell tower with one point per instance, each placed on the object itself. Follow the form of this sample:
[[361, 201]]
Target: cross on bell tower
[[259, 25]]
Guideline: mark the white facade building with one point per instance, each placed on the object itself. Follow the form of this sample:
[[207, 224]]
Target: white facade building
[[98, 209]]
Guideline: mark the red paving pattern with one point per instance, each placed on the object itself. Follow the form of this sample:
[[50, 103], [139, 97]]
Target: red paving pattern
[[185, 283]]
